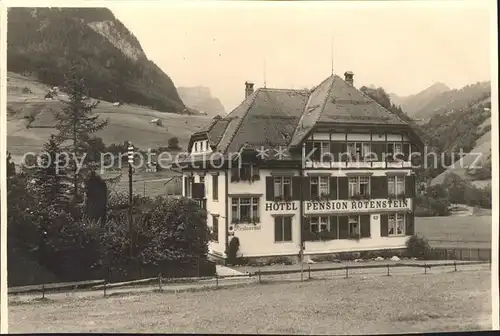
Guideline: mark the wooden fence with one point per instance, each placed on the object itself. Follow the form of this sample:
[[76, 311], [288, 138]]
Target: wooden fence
[[464, 254], [160, 282]]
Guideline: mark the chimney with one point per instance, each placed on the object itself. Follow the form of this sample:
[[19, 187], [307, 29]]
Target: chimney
[[248, 89], [348, 75]]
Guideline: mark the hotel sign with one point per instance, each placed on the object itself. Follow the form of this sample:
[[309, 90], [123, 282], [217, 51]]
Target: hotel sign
[[341, 205], [356, 205]]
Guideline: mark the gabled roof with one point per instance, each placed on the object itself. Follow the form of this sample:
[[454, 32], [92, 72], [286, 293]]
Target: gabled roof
[[283, 117], [335, 101]]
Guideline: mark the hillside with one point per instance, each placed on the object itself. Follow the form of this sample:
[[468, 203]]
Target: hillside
[[453, 100], [469, 129], [44, 42], [25, 97], [200, 99], [414, 103]]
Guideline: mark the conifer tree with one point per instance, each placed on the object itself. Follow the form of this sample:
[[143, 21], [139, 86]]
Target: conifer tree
[[51, 184], [74, 124]]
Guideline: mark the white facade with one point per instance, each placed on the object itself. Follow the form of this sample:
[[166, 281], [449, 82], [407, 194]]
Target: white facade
[[258, 236]]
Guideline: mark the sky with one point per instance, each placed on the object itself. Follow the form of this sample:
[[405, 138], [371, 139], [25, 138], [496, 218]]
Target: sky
[[401, 46]]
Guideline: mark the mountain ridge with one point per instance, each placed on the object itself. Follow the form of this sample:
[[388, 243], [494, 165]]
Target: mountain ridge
[[46, 42]]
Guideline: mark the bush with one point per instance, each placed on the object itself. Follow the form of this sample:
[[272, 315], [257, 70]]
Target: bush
[[232, 251], [417, 247], [173, 143]]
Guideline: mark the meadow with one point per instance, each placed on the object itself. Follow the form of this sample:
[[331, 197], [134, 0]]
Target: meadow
[[126, 123], [402, 303]]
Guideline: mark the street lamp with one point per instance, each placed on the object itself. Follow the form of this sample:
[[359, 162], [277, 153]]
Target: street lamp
[[130, 162]]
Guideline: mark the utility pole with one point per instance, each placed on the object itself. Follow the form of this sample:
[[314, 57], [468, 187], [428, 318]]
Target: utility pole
[[130, 198]]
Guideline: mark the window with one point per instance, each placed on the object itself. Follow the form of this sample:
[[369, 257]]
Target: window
[[359, 186], [283, 229], [394, 150], [215, 187], [195, 146], [396, 185], [318, 150], [396, 224], [358, 150], [245, 210], [201, 146], [215, 228], [246, 172], [354, 226], [319, 224], [202, 179], [283, 187], [319, 187]]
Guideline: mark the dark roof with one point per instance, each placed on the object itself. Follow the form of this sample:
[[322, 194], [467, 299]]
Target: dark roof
[[284, 117]]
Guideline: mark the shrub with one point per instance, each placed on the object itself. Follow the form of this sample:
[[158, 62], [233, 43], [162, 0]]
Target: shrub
[[232, 250], [417, 247]]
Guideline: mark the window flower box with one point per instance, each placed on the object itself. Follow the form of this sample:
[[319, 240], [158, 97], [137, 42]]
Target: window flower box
[[235, 179], [256, 220], [360, 197], [255, 177], [324, 197]]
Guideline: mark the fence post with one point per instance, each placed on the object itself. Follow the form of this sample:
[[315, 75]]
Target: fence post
[[346, 271], [425, 268], [105, 287], [216, 280], [455, 265], [461, 254], [43, 291], [388, 274], [446, 254], [258, 272], [159, 282], [478, 255], [309, 273]]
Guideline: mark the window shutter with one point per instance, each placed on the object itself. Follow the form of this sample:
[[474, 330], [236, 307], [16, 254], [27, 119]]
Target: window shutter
[[378, 150], [306, 188], [336, 149], [334, 225], [278, 230], [416, 160], [269, 188], [235, 173], [308, 147], [186, 186], [296, 188], [198, 191], [343, 227], [343, 152], [333, 187], [406, 151], [215, 187], [410, 227], [410, 186], [379, 187], [384, 226], [365, 226], [287, 228], [343, 184]]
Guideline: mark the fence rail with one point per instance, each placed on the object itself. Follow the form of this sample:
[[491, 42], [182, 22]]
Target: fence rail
[[259, 274]]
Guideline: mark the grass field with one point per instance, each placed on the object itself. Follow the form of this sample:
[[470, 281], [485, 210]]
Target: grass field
[[127, 122], [359, 305], [460, 231]]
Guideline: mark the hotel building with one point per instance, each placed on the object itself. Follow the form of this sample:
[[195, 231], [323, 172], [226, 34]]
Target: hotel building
[[327, 169]]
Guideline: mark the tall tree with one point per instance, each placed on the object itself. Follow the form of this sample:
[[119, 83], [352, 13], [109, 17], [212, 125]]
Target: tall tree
[[74, 124], [50, 178]]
